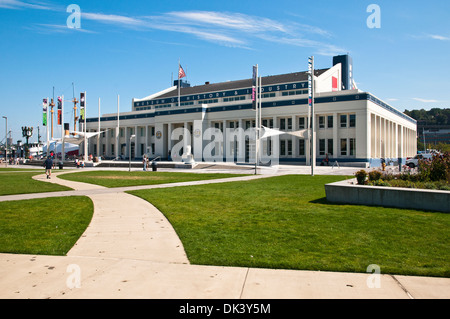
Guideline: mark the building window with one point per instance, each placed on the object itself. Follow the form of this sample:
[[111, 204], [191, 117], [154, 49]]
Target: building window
[[352, 146], [343, 146], [121, 132], [282, 147], [282, 124], [352, 120], [289, 147], [301, 123], [289, 123], [142, 131], [330, 146], [344, 120], [322, 122], [322, 147], [330, 121], [208, 101], [153, 131], [301, 147], [112, 149], [266, 95]]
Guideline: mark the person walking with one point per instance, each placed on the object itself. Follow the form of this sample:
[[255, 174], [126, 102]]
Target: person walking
[[48, 164], [144, 161]]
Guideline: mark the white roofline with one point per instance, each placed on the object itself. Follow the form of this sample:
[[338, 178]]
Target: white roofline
[[156, 94]]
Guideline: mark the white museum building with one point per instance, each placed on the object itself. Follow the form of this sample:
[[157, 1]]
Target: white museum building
[[351, 127]]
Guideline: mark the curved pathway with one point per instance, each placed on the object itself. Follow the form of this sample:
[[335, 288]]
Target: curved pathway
[[124, 226]]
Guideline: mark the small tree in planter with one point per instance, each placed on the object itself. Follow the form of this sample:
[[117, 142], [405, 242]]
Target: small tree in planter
[[374, 175], [361, 176]]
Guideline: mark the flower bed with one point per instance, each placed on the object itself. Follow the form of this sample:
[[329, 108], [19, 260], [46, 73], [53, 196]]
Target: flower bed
[[431, 174]]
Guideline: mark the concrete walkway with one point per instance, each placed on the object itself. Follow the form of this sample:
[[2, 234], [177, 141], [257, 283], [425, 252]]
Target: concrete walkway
[[130, 250]]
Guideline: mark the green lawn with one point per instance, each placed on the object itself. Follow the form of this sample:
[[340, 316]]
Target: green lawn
[[134, 178], [19, 182], [286, 222], [48, 226]]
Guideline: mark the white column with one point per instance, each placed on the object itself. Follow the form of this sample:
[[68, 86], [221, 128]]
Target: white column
[[137, 141], [335, 135], [146, 138], [224, 146], [294, 138], [186, 143], [169, 140]]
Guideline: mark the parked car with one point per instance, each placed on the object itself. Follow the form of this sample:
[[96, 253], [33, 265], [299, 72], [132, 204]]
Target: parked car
[[414, 161]]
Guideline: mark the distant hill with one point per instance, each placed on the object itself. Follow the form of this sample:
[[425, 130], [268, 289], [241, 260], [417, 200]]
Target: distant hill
[[435, 116]]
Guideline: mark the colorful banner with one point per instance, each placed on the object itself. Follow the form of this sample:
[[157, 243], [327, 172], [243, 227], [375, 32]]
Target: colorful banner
[[60, 110], [255, 76], [82, 105], [44, 112], [310, 70]]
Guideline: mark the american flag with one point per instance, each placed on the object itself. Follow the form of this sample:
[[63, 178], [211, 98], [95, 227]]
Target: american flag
[[181, 73]]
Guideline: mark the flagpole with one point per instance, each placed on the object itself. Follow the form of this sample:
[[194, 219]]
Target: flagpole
[[260, 121], [313, 121], [98, 136], [85, 139], [118, 128], [256, 120], [62, 129], [179, 83], [48, 131]]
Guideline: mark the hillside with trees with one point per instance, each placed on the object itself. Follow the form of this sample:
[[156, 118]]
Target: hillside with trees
[[435, 116], [433, 119]]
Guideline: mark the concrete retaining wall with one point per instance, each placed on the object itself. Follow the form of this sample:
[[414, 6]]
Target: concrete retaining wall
[[346, 193]]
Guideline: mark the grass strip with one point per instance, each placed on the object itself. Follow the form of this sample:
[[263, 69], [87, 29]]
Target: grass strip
[[136, 178], [46, 226], [22, 183], [285, 222]]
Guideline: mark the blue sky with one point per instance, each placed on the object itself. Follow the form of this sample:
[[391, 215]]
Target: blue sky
[[132, 48]]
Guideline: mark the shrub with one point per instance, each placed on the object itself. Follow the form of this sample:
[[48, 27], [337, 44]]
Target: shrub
[[361, 176], [374, 175], [435, 170], [379, 182]]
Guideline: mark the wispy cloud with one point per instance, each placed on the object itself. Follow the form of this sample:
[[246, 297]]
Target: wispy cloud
[[113, 18], [224, 28], [438, 37], [428, 36], [57, 28], [16, 4], [424, 100], [236, 21], [237, 29]]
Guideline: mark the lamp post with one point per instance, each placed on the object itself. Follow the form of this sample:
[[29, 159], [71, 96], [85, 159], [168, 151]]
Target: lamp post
[[6, 140], [129, 154]]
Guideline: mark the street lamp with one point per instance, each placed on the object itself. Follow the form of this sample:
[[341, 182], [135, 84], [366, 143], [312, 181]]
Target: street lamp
[[6, 140], [129, 154]]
